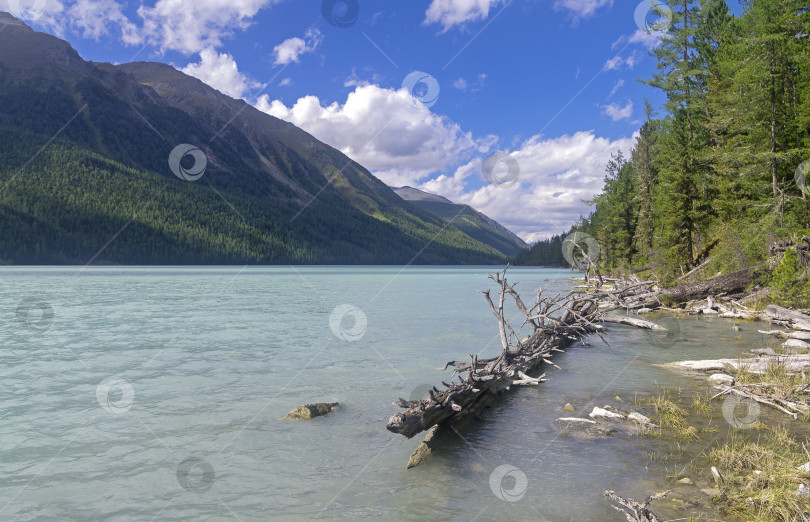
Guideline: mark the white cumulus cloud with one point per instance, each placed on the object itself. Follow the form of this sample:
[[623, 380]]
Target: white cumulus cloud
[[190, 27], [617, 62], [219, 70], [449, 13], [618, 112], [581, 8], [556, 174], [647, 39], [93, 18], [385, 130], [292, 48], [184, 26]]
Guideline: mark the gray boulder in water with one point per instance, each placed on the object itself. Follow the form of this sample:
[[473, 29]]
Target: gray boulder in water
[[308, 411]]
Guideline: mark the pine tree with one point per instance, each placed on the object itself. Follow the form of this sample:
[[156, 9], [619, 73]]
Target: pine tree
[[646, 176]]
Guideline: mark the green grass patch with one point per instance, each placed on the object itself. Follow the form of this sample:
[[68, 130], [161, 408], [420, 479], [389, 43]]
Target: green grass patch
[[761, 476]]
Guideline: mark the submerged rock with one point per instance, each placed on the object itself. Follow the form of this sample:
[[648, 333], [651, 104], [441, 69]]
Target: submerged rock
[[712, 492], [568, 407], [308, 411]]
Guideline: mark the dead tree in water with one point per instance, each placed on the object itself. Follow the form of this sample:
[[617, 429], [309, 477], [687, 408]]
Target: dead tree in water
[[556, 322]]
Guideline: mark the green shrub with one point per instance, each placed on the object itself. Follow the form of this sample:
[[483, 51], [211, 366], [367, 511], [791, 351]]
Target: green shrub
[[789, 284]]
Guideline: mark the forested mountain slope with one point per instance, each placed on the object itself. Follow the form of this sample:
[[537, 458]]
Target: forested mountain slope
[[85, 175]]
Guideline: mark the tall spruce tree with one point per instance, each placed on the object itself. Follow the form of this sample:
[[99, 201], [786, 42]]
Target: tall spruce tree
[[682, 78], [643, 156]]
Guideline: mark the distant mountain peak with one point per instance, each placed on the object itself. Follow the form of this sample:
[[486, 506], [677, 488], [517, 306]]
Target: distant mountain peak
[[413, 194], [474, 223], [9, 19]]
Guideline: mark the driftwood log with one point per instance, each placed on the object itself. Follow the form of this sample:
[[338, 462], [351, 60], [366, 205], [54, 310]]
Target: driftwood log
[[556, 322], [782, 402], [795, 320], [725, 284], [631, 321]]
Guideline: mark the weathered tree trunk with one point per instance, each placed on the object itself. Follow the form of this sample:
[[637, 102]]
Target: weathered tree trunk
[[796, 320], [632, 321], [729, 283]]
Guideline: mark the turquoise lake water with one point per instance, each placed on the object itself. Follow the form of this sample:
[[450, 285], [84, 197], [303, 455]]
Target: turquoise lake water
[[156, 393]]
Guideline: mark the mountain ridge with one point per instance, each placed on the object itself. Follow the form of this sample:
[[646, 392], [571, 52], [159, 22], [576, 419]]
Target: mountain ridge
[[291, 198], [474, 223]]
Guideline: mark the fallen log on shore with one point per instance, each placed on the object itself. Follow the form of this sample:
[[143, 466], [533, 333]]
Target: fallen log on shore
[[759, 365], [729, 283], [556, 321], [754, 392], [795, 320], [802, 336], [632, 321]]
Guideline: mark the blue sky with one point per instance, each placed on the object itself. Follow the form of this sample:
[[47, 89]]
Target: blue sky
[[550, 84]]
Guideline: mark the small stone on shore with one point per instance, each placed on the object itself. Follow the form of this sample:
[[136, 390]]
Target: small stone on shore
[[686, 480]]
